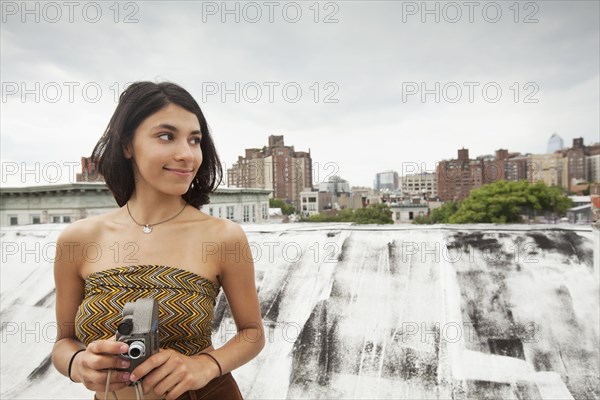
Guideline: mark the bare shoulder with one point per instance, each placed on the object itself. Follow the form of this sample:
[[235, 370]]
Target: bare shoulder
[[225, 231], [84, 230]]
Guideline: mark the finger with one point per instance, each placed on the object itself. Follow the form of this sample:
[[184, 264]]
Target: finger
[[97, 379], [156, 377], [113, 387], [108, 347], [175, 392], [153, 362], [166, 384], [104, 361]]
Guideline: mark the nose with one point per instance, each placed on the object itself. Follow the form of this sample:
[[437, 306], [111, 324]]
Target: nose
[[184, 151]]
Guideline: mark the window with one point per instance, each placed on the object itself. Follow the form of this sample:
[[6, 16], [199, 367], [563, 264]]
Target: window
[[56, 219], [66, 219], [14, 220], [246, 217], [210, 211], [220, 212], [253, 212], [35, 219], [229, 212], [265, 211]]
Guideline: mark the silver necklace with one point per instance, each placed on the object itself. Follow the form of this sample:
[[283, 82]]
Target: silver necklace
[[147, 228]]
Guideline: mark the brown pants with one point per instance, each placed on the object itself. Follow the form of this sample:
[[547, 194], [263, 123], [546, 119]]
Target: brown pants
[[223, 388]]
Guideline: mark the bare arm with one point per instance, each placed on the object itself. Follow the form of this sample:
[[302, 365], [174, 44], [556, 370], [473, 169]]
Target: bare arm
[[69, 293], [87, 365], [237, 273]]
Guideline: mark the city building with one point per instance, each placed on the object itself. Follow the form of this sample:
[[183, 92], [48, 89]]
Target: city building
[[88, 173], [422, 184], [457, 177], [576, 165], [518, 167], [337, 187], [408, 209], [275, 167], [63, 203], [573, 169], [315, 202], [363, 196], [386, 181], [549, 168], [582, 166], [59, 203], [555, 143], [581, 210], [593, 168]]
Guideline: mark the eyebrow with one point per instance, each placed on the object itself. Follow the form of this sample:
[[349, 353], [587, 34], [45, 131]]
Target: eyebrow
[[174, 129]]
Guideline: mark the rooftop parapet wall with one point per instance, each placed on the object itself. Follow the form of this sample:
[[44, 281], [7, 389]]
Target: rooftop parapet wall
[[453, 311]]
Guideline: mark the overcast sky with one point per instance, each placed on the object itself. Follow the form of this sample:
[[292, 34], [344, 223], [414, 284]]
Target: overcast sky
[[522, 70]]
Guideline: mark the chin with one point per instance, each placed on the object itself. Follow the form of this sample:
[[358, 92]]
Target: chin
[[176, 191]]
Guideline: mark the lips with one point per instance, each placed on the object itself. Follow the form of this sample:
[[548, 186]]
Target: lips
[[179, 171]]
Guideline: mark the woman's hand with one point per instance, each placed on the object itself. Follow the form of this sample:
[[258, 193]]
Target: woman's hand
[[170, 374], [90, 366]]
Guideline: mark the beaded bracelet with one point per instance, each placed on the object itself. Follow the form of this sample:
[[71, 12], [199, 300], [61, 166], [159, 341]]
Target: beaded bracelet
[[71, 363], [215, 360]]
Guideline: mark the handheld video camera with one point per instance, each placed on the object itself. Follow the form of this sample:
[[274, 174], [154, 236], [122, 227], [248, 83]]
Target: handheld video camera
[[139, 329]]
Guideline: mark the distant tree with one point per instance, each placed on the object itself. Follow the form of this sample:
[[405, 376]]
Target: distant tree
[[286, 209], [373, 214], [440, 215], [505, 201]]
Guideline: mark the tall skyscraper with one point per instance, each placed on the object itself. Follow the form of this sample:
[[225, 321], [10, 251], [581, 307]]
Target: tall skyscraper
[[387, 180], [555, 143]]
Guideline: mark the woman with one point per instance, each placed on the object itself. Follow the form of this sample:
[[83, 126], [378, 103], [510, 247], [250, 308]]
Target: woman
[[159, 161]]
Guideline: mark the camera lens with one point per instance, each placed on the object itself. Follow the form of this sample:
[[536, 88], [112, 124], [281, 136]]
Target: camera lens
[[136, 350], [125, 327]]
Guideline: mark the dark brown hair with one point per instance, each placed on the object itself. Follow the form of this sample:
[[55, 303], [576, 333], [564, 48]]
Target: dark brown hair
[[136, 103]]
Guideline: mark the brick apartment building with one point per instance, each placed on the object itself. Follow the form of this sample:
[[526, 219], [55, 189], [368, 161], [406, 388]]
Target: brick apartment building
[[573, 169], [276, 167], [456, 178]]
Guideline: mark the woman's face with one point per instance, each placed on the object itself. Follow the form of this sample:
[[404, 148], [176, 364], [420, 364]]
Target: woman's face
[[165, 150]]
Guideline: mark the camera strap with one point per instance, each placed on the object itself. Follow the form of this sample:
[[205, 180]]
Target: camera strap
[[139, 393]]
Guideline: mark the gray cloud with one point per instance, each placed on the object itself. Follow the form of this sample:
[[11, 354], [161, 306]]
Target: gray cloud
[[367, 56]]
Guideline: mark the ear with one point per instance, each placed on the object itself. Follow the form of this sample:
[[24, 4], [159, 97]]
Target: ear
[[127, 151]]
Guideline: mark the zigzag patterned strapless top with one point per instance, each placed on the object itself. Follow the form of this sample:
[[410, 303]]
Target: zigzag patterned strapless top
[[186, 304]]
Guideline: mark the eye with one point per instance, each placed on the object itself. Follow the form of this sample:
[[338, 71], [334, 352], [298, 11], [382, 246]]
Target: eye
[[168, 135], [196, 140]]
